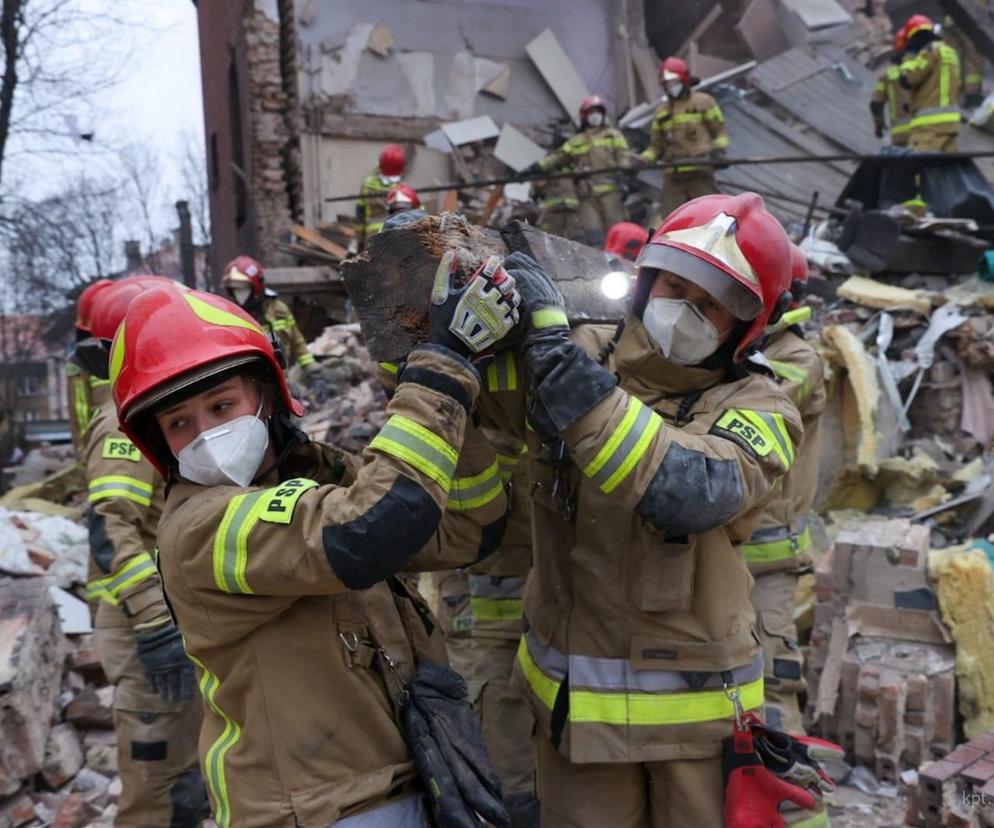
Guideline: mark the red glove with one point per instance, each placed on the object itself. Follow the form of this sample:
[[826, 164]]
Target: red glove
[[753, 795]]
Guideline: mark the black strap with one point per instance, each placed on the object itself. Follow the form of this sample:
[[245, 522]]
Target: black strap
[[560, 714]]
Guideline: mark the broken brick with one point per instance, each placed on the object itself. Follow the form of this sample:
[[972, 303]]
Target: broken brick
[[17, 811], [63, 755], [75, 812]]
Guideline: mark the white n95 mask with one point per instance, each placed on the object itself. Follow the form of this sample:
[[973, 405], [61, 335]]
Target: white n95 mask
[[241, 293], [682, 332], [595, 119], [226, 454]]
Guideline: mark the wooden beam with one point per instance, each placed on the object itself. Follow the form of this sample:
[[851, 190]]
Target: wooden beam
[[315, 239]]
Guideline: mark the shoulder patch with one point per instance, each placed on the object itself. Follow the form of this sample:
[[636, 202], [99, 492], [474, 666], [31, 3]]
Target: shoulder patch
[[758, 431], [282, 500], [120, 448]]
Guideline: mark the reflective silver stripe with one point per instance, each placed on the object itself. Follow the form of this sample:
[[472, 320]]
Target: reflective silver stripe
[[771, 533], [627, 445], [407, 813], [489, 586], [546, 657], [782, 439]]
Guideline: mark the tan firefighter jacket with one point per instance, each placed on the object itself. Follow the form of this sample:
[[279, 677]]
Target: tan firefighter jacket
[[287, 604], [278, 319], [783, 539], [125, 494], [85, 393], [372, 207], [892, 98], [688, 127], [638, 599], [591, 149], [971, 62], [933, 76]]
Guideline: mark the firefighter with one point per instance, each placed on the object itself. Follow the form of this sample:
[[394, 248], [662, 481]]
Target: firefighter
[[780, 549], [245, 283], [971, 62], [278, 557], [931, 72], [626, 240], [652, 451], [890, 104], [84, 392], [496, 588], [688, 124], [371, 208], [157, 713], [402, 198], [597, 145]]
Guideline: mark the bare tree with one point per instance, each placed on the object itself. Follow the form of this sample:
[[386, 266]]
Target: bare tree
[[192, 163]]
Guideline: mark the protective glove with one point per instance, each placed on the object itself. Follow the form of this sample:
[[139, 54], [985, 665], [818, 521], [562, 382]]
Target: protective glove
[[473, 318], [445, 739], [544, 306], [973, 99], [165, 662], [753, 795], [533, 169], [403, 219], [797, 758], [320, 388], [718, 156], [878, 130]]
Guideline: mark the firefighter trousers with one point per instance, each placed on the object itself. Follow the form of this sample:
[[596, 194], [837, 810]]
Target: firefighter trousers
[[678, 794], [562, 222], [679, 188], [598, 213], [783, 672], [925, 140], [455, 617], [156, 743]]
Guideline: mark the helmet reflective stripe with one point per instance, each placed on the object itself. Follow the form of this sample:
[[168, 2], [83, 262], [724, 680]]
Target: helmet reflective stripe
[[717, 239]]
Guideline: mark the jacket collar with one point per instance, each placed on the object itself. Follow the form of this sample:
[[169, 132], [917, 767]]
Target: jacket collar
[[644, 371]]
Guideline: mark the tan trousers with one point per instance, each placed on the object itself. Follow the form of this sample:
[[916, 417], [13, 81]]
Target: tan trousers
[[565, 223], [678, 794], [678, 189], [455, 617], [156, 743], [924, 140], [773, 600], [598, 213]]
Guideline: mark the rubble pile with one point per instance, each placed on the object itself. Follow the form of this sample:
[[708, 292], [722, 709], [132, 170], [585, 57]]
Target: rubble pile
[[58, 753]]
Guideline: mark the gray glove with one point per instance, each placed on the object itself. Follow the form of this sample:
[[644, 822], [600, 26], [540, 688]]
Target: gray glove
[[544, 306], [166, 665]]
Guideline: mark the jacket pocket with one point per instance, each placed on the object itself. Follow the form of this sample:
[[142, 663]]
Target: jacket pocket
[[661, 571]]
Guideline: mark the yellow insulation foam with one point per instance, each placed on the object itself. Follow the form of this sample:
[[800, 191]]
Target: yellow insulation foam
[[863, 379]]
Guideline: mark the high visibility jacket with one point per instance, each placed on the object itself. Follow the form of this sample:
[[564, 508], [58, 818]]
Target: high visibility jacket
[[85, 393], [638, 599], [371, 207], [592, 148], [125, 495], [288, 606], [971, 63], [894, 100], [933, 76], [783, 539], [278, 319], [689, 127]]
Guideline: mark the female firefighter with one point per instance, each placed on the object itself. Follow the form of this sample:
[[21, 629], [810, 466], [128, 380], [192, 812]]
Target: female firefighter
[[652, 451], [278, 558]]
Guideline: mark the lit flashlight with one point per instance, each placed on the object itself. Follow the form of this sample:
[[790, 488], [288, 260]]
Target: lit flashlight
[[616, 284]]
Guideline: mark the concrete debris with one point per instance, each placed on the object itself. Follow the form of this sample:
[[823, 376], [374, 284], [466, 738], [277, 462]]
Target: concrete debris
[[559, 72]]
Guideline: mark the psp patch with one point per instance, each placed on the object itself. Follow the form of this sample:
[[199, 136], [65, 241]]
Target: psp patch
[[737, 424], [282, 501], [120, 448]]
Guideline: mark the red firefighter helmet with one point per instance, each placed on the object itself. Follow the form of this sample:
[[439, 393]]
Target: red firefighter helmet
[[626, 239], [675, 66], [798, 265], [84, 305], [592, 102], [111, 305], [917, 23], [171, 340], [731, 247], [401, 198], [244, 270], [392, 160]]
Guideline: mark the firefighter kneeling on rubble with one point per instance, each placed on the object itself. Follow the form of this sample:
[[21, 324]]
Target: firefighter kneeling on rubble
[[653, 450], [321, 677]]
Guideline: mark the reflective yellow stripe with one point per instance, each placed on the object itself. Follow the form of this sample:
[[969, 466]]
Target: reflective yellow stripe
[[552, 203], [502, 373], [305, 360], [588, 707], [778, 550], [374, 227], [688, 118], [601, 189], [549, 318], [119, 485], [417, 446], [209, 313], [476, 491], [819, 820], [627, 445], [214, 760], [81, 405], [276, 325], [231, 541], [900, 127], [974, 78], [96, 382], [139, 568], [714, 114], [775, 426], [541, 685], [496, 609], [935, 118], [508, 463], [761, 431], [792, 373], [721, 142], [389, 367]]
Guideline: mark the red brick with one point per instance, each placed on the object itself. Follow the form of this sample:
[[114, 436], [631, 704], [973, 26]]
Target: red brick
[[17, 811], [985, 741], [964, 755], [941, 735], [979, 772], [934, 774], [75, 812], [917, 693]]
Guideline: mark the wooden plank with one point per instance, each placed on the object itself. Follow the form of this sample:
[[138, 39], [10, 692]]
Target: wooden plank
[[700, 29], [390, 282], [315, 239], [492, 201]]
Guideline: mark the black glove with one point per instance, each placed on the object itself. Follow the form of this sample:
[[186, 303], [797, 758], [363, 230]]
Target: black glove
[[471, 319], [165, 663], [878, 129], [544, 306], [973, 99], [320, 388], [533, 169], [403, 219], [444, 735], [718, 156]]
